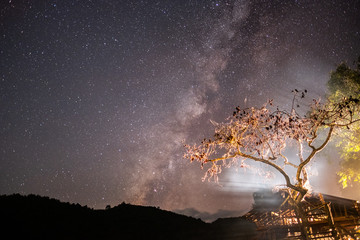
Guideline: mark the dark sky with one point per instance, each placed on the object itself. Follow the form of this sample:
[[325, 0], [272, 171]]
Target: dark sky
[[97, 96]]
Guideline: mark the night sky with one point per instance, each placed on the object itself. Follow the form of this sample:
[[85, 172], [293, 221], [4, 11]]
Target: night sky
[[97, 96]]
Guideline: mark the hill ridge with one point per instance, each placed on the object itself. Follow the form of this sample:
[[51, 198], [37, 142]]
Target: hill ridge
[[39, 217]]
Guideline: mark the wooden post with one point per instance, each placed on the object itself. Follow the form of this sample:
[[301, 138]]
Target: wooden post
[[331, 221]]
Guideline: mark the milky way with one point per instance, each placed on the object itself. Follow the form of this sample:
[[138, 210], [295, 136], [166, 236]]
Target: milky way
[[97, 97]]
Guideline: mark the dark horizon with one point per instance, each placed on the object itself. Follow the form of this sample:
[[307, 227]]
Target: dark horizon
[[35, 217]]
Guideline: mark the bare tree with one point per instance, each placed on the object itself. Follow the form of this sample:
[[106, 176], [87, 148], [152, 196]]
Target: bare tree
[[263, 134]]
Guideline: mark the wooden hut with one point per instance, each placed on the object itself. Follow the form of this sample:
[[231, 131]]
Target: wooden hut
[[327, 217]]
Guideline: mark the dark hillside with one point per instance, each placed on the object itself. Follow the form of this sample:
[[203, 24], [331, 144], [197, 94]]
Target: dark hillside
[[35, 217]]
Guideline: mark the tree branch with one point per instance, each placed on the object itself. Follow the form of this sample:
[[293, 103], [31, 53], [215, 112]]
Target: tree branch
[[312, 154], [267, 162], [286, 176], [286, 161]]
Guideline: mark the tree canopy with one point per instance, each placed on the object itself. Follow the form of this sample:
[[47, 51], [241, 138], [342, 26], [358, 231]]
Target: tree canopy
[[263, 134], [345, 83]]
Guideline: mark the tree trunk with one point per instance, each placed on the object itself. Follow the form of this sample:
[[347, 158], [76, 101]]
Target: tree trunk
[[300, 213]]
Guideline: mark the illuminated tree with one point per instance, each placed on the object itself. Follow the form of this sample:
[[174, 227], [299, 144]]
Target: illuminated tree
[[344, 83], [263, 134]]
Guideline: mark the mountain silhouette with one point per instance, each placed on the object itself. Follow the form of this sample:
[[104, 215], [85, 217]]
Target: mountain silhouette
[[36, 217]]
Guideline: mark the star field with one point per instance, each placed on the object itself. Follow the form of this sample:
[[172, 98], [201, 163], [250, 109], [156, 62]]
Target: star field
[[97, 96]]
